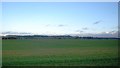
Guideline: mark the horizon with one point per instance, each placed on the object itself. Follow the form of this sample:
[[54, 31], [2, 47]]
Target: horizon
[[70, 35], [61, 18], [77, 35]]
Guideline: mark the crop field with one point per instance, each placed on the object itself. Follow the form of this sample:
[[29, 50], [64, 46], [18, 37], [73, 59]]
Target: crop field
[[60, 52]]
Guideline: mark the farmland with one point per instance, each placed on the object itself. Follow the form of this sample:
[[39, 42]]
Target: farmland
[[60, 52]]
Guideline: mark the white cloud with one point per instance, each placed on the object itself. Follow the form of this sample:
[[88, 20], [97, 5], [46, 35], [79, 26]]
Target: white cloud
[[100, 34]]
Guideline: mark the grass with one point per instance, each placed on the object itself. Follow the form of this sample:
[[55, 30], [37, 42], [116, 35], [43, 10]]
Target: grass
[[60, 52]]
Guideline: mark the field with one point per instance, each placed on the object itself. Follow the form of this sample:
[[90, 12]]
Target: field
[[60, 52]]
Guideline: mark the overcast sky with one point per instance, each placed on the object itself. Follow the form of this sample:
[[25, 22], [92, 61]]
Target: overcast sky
[[78, 18]]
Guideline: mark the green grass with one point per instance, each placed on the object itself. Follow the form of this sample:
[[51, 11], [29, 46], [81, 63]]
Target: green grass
[[60, 52]]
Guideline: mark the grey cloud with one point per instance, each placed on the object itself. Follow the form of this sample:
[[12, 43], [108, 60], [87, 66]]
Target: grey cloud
[[47, 25], [97, 22], [61, 25], [85, 28], [10, 32], [79, 31], [112, 32], [108, 34]]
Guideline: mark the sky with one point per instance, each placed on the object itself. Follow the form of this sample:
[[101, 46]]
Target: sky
[[61, 18]]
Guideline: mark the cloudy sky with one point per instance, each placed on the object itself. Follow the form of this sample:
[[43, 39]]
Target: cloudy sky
[[59, 18]]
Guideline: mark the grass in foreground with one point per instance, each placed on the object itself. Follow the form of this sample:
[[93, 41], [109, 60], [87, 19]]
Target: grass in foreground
[[62, 52]]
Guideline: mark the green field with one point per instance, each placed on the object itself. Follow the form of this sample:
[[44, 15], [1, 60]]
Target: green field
[[60, 52]]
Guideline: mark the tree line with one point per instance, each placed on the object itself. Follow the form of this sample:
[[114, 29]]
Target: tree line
[[52, 37]]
